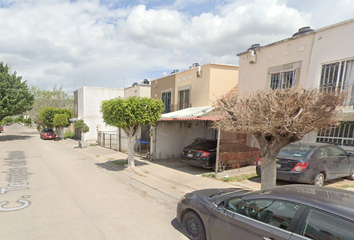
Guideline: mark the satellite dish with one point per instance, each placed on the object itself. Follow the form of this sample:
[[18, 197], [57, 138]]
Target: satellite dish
[[164, 74]]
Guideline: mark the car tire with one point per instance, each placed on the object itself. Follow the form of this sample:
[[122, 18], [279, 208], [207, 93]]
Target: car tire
[[351, 176], [193, 226], [221, 167], [319, 179]]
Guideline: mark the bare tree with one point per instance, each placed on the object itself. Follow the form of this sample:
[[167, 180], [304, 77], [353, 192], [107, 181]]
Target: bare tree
[[55, 98], [277, 118]]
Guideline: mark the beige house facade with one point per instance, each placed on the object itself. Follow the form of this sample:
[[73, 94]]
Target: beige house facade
[[137, 90], [193, 91], [203, 85], [322, 58], [198, 86], [163, 88]]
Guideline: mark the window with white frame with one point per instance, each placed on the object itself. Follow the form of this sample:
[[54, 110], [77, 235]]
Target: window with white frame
[[283, 80], [339, 76]]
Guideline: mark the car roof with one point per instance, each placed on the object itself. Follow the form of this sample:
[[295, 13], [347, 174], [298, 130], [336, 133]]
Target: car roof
[[314, 144], [334, 200]]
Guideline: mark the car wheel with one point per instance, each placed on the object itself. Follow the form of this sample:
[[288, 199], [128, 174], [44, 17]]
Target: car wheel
[[221, 167], [193, 226], [319, 180], [351, 176]]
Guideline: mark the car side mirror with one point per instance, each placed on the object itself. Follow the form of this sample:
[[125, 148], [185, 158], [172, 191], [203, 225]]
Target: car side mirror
[[221, 205]]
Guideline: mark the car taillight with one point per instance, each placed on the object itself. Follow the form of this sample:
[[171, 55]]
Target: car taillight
[[204, 154], [259, 161], [300, 167]]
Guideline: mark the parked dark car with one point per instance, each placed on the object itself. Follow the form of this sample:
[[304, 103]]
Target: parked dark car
[[312, 163], [47, 133], [291, 212], [201, 153]]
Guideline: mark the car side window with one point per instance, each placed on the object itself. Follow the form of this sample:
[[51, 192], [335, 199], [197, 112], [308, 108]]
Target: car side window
[[338, 152], [322, 153], [324, 226], [273, 212]]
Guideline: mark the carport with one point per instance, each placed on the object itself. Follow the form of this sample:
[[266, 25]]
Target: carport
[[176, 130]]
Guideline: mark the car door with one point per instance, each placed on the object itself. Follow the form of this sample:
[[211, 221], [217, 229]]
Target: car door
[[327, 162], [320, 225], [343, 162], [253, 219]]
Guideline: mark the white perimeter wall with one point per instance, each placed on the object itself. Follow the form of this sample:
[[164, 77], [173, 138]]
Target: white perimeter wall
[[90, 106], [172, 137]]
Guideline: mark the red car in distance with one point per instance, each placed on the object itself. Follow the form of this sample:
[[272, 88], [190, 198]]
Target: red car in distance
[[1, 128], [47, 133]]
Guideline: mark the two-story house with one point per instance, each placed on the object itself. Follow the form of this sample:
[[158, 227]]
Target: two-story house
[[197, 86], [322, 58], [188, 97], [87, 104]]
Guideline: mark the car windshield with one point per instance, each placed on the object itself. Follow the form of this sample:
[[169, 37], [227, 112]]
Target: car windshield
[[296, 150], [47, 130]]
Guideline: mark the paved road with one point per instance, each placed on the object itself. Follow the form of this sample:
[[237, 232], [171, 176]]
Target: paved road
[[50, 191]]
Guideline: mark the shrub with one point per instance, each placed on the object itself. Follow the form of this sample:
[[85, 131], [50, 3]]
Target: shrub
[[69, 134]]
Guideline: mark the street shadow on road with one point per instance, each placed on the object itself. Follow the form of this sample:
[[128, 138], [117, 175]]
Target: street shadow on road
[[177, 225], [13, 137], [31, 133]]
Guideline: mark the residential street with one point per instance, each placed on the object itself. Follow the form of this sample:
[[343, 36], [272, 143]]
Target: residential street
[[52, 191]]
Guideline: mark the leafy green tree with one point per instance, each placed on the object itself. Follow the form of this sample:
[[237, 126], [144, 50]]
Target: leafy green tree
[[8, 120], [47, 114], [55, 98], [80, 124], [20, 118], [60, 121], [277, 118], [129, 115], [15, 97], [27, 121]]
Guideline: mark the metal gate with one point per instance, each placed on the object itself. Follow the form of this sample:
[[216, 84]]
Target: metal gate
[[107, 139]]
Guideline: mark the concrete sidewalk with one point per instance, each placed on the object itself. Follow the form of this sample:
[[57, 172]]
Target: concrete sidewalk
[[155, 176]]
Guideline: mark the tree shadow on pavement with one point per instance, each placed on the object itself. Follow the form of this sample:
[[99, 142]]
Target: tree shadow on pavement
[[118, 164], [13, 137]]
